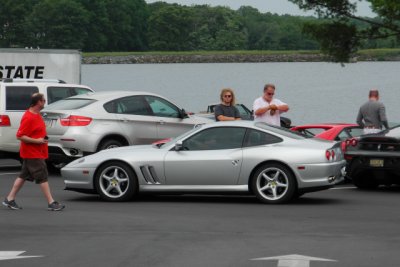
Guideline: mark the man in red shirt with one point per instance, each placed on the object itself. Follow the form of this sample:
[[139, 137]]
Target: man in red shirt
[[34, 152]]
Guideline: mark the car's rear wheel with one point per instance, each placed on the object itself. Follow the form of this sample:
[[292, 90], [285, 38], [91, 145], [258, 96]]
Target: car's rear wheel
[[109, 143], [274, 183], [116, 181], [364, 181]]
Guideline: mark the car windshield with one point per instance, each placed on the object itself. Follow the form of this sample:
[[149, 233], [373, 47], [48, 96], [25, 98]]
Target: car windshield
[[282, 131], [70, 103], [173, 140]]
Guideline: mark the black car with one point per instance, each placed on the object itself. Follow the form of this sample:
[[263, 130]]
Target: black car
[[374, 159]]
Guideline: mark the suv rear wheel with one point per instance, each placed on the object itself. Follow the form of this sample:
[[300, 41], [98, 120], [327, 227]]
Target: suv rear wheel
[[109, 143]]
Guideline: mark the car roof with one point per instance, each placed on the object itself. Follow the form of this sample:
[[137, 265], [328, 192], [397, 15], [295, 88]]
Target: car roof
[[231, 123], [106, 95], [334, 124], [240, 123]]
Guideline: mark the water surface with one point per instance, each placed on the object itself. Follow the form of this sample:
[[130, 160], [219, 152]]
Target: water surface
[[315, 92]]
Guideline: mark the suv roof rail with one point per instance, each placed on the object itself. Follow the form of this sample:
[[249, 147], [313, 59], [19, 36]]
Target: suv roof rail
[[11, 80]]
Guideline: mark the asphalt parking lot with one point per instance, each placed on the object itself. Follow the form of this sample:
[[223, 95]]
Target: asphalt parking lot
[[345, 225]]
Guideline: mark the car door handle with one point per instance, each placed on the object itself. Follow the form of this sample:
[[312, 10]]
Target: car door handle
[[161, 122], [124, 119]]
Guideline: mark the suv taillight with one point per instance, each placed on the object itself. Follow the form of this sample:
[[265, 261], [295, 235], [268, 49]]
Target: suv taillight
[[75, 121], [4, 121]]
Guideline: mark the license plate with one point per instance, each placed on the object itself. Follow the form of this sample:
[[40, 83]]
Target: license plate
[[376, 162], [49, 122]]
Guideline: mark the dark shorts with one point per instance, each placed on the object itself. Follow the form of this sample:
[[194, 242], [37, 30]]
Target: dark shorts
[[34, 170]]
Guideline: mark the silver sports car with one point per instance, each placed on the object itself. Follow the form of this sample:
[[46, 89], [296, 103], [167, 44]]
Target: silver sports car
[[270, 162]]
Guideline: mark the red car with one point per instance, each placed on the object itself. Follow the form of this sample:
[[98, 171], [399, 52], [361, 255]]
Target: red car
[[330, 131]]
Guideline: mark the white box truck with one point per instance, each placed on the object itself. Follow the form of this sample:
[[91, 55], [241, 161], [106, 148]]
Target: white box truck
[[58, 64], [55, 73]]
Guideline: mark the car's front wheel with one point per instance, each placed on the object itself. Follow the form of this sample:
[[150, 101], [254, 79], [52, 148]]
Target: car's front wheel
[[274, 183], [116, 181]]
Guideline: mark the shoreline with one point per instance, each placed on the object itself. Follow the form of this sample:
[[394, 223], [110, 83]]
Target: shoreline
[[225, 58]]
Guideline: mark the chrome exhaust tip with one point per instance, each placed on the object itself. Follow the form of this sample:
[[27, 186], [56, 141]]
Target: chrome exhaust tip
[[73, 151], [331, 179]]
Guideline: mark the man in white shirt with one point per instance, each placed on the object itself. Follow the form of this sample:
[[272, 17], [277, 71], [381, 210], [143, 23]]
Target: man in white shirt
[[267, 108]]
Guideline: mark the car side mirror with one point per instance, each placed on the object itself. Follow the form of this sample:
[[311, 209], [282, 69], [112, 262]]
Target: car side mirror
[[183, 114], [178, 146]]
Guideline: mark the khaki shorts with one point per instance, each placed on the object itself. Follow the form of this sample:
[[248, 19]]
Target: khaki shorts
[[34, 170]]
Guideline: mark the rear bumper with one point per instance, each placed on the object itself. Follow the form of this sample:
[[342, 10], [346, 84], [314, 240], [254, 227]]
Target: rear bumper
[[321, 175], [64, 155], [362, 164]]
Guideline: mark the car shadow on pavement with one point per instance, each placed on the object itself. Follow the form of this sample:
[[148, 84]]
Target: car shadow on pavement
[[311, 200], [10, 168], [225, 199], [386, 189]]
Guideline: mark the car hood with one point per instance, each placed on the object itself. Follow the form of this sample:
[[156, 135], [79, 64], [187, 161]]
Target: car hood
[[113, 153], [124, 148], [200, 119]]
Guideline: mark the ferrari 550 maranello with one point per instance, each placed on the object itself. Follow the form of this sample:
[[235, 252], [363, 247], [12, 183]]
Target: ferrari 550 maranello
[[273, 163]]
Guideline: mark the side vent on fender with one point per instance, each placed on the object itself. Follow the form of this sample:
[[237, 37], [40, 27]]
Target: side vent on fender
[[149, 174]]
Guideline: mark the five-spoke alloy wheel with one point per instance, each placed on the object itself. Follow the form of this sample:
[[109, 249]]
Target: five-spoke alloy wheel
[[115, 181], [273, 183]]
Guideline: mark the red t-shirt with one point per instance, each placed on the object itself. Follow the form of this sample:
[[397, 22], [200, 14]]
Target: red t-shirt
[[32, 125]]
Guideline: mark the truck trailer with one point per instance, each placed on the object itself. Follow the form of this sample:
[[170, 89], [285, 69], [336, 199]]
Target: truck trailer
[[28, 64]]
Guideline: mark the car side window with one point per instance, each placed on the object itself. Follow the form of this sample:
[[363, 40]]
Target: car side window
[[55, 93], [258, 138], [245, 114], [133, 105], [80, 91], [162, 108], [216, 139], [19, 97]]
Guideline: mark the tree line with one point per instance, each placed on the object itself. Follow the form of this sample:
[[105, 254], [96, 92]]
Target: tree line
[[134, 25]]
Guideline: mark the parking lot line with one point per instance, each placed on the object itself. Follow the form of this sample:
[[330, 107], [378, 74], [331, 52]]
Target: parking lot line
[[8, 173]]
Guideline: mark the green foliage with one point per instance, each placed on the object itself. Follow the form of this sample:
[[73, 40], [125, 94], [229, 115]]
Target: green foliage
[[97, 26], [169, 28], [90, 25], [345, 32], [133, 25], [173, 27], [68, 20], [128, 25], [12, 22], [337, 39]]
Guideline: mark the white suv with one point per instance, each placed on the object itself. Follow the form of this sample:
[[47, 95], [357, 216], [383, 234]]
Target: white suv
[[15, 96]]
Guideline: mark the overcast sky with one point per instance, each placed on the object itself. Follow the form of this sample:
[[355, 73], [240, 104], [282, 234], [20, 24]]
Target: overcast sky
[[273, 6]]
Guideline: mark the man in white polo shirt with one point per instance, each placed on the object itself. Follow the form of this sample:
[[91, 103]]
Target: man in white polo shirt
[[267, 108]]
